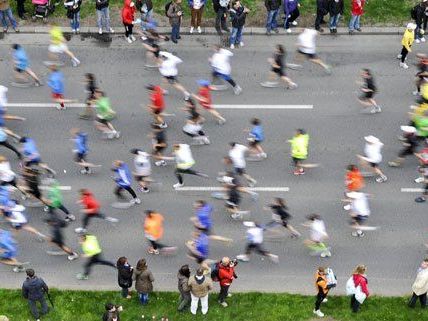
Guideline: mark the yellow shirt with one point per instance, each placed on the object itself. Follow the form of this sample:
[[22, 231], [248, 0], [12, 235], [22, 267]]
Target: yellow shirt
[[56, 35], [408, 38]]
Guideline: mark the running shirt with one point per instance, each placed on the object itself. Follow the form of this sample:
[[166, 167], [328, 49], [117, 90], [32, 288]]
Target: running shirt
[[220, 61], [280, 211], [157, 99], [142, 165], [123, 176], [3, 135], [299, 146], [6, 173], [90, 246], [168, 67], [103, 108], [306, 41], [354, 180], [360, 205], [237, 154], [90, 203], [30, 150], [80, 143], [183, 157], [8, 245], [257, 133], [373, 152], [201, 245], [279, 60], [203, 214], [3, 97], [56, 35], [56, 82], [55, 196], [255, 235], [20, 58], [317, 231], [153, 226], [16, 218], [205, 93], [369, 84]]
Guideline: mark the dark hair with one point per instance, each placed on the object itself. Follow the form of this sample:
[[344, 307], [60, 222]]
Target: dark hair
[[30, 272], [134, 151], [90, 76], [200, 272], [150, 87], [232, 144], [121, 261], [255, 121], [185, 271], [367, 71], [23, 139], [148, 212], [141, 264], [15, 46], [280, 49], [280, 201], [313, 217], [351, 167], [109, 306], [190, 101]]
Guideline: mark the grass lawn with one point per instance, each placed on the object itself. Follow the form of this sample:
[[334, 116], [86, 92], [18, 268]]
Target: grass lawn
[[89, 306], [381, 12]]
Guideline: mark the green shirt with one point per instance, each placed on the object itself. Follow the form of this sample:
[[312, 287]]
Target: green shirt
[[104, 110], [421, 123], [55, 196]]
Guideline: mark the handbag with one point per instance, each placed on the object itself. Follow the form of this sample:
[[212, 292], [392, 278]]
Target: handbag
[[360, 296]]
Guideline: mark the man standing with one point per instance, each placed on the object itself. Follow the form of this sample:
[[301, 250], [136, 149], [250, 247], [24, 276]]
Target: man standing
[[200, 285], [272, 7], [34, 290], [175, 13], [420, 286], [220, 8], [322, 10], [226, 274], [356, 13], [103, 16], [6, 14]]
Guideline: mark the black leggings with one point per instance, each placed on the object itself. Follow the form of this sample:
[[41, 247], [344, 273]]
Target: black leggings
[[355, 305], [257, 247], [156, 245], [320, 297], [404, 53], [118, 191], [128, 29], [61, 207], [9, 146], [96, 259], [189, 171], [87, 218]]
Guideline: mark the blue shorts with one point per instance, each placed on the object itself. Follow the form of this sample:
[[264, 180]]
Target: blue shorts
[[222, 76], [8, 254]]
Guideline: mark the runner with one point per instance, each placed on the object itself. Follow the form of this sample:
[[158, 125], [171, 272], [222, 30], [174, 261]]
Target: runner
[[280, 216], [306, 48], [256, 137], [143, 169], [4, 115], [199, 249], [255, 243], [91, 86], [151, 39], [317, 236], [159, 144], [220, 63], [423, 169], [9, 251], [368, 90], [277, 71], [80, 140], [373, 157], [233, 200], [123, 181], [56, 84], [422, 73], [168, 70], [32, 183], [299, 150], [359, 211], [91, 209], [57, 238], [22, 66], [354, 181], [193, 128], [4, 132], [105, 115], [32, 156], [410, 144], [157, 105], [55, 201], [204, 99], [237, 155], [58, 46], [7, 175], [153, 231]]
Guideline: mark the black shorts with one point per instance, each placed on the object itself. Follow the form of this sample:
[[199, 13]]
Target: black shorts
[[158, 149], [374, 165], [279, 71], [140, 178], [254, 143], [32, 162], [297, 160], [206, 231], [308, 55], [19, 70], [360, 219], [79, 157], [91, 97], [171, 79], [102, 121], [239, 171], [156, 111], [58, 241], [406, 151], [33, 189], [367, 95]]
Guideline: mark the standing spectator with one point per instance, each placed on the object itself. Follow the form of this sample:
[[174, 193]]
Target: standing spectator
[[200, 285], [5, 14], [220, 8], [143, 281], [335, 9], [322, 10], [20, 6], [34, 290], [175, 13], [124, 276], [73, 13], [406, 42], [291, 10], [238, 14], [103, 16], [357, 11], [420, 286], [418, 13], [112, 312], [183, 276], [196, 10], [146, 9], [360, 280], [226, 274], [272, 7], [321, 285], [128, 12]]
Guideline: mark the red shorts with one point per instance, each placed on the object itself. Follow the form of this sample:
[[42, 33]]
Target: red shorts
[[57, 96]]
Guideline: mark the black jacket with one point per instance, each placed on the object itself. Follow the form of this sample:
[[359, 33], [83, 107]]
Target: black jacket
[[216, 5], [101, 4], [322, 6], [34, 288], [335, 7], [139, 4], [238, 16], [272, 4], [124, 276], [419, 10]]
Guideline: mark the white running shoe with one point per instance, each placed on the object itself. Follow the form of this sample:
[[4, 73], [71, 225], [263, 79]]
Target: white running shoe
[[403, 65], [133, 38], [288, 30], [199, 30], [241, 44], [100, 31], [128, 39], [80, 230], [160, 163], [205, 140], [135, 201], [423, 39], [243, 258], [73, 256], [274, 258], [111, 30], [232, 46], [111, 219], [318, 313], [178, 185], [237, 90], [294, 23], [191, 30], [419, 180], [399, 56], [417, 41]]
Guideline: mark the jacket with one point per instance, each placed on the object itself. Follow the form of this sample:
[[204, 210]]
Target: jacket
[[128, 12], [4, 5], [407, 40], [34, 288], [226, 274], [357, 7], [143, 280], [361, 280], [335, 7], [140, 4], [183, 285], [322, 6], [124, 276], [290, 6], [56, 82], [238, 16], [272, 4], [123, 175], [420, 286], [321, 283], [101, 4], [190, 2], [419, 11], [72, 6], [200, 287], [172, 13]]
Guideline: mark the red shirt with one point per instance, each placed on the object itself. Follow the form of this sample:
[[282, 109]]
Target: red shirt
[[157, 98], [90, 204], [206, 94], [354, 180]]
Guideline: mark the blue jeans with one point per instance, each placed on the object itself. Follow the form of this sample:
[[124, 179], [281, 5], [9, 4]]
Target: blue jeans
[[144, 298], [75, 22], [334, 20], [175, 32], [145, 18], [236, 35], [271, 20], [103, 15], [354, 23], [7, 14]]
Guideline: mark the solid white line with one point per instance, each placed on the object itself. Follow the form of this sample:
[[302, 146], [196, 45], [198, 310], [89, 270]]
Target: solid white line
[[62, 188], [219, 189], [261, 106], [44, 105], [412, 190]]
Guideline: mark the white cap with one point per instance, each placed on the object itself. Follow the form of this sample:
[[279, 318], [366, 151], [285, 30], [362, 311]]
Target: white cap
[[371, 139], [411, 26], [408, 129]]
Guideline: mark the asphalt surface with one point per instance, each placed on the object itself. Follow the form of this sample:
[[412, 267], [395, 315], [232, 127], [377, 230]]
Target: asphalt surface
[[336, 126]]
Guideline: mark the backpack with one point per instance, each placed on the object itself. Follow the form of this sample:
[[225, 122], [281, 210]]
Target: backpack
[[331, 278], [167, 8], [215, 272], [350, 286], [413, 12]]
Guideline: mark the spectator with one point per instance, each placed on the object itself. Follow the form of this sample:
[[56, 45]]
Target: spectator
[[357, 11], [221, 8], [335, 9], [20, 6], [226, 274], [361, 290], [406, 42], [272, 7], [175, 13], [420, 286], [34, 290], [200, 285], [291, 10], [322, 10], [143, 281], [419, 14], [183, 276], [103, 16], [321, 285], [73, 13], [238, 14], [124, 276], [128, 12], [146, 9], [112, 312], [196, 10], [5, 14]]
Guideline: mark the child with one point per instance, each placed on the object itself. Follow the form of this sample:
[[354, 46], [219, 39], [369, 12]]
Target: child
[[124, 277], [128, 12], [407, 41], [73, 13], [322, 288]]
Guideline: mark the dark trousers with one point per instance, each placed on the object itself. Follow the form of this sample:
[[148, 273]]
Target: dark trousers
[[20, 7], [422, 299], [11, 147], [119, 189], [319, 18], [403, 53], [184, 302], [87, 218], [220, 19], [61, 207], [128, 29], [320, 296], [96, 259], [255, 247], [179, 171], [156, 245], [293, 16], [175, 31], [355, 305], [33, 307], [124, 292], [224, 290]]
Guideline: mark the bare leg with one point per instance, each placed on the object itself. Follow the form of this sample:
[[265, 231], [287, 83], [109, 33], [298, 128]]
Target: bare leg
[[32, 230], [180, 87], [216, 114], [32, 74]]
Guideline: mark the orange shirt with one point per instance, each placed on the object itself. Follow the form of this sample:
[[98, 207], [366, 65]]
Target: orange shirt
[[354, 180], [153, 226]]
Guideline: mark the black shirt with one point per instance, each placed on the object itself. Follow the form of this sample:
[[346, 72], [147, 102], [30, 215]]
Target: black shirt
[[370, 84], [279, 60], [280, 211]]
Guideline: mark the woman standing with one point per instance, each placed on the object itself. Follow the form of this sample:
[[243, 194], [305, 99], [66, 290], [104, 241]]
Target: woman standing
[[196, 10], [124, 276], [361, 290], [183, 287], [143, 281]]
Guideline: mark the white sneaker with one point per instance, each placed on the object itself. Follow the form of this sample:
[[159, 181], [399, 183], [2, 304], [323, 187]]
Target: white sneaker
[[111, 30], [160, 163], [415, 93], [274, 258], [205, 140], [232, 46], [191, 29], [241, 44], [243, 258], [199, 30], [129, 39], [319, 313], [237, 90], [403, 65], [294, 23], [73, 30], [224, 304], [417, 41], [325, 300], [419, 180], [77, 30], [80, 230], [288, 30], [135, 201], [347, 207], [178, 185], [399, 56], [423, 39], [263, 155], [100, 31], [133, 38], [73, 256], [111, 219]]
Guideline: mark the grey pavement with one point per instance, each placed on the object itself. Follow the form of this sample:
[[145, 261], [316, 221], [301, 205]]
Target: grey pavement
[[336, 127]]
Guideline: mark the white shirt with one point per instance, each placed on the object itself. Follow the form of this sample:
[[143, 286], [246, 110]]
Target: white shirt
[[142, 165], [318, 231], [3, 98], [183, 157], [6, 173], [237, 154], [255, 235], [372, 152], [306, 41], [169, 65], [17, 218], [220, 61], [360, 205]]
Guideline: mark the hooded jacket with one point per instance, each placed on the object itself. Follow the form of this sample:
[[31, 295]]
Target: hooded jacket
[[200, 286], [124, 276], [34, 288], [357, 7], [226, 274], [128, 12], [238, 16], [173, 10], [143, 280], [183, 284], [290, 6], [335, 7]]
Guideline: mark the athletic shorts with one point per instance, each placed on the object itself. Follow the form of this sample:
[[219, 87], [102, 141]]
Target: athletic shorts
[[19, 70], [254, 143], [308, 55], [374, 165], [222, 76], [57, 96], [32, 162], [206, 231], [171, 79], [58, 241], [79, 157], [360, 219], [367, 95], [140, 178], [199, 259], [8, 255], [239, 171], [157, 111], [102, 121], [406, 151], [58, 49], [158, 149], [17, 226], [297, 160], [279, 71]]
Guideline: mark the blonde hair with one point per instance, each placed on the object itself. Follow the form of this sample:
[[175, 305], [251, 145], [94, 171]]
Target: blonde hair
[[360, 269]]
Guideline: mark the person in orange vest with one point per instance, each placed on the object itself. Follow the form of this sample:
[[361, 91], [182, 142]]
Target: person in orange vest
[[322, 288], [153, 230]]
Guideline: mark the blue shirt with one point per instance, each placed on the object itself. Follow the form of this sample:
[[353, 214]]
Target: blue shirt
[[204, 216], [20, 58], [201, 244], [80, 141], [56, 82], [30, 150], [257, 133], [123, 176]]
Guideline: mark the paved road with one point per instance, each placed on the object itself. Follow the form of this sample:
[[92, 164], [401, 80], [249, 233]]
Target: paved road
[[336, 127]]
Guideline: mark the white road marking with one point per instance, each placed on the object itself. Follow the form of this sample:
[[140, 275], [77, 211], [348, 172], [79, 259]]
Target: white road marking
[[219, 189], [62, 188], [412, 190], [44, 105], [261, 106]]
